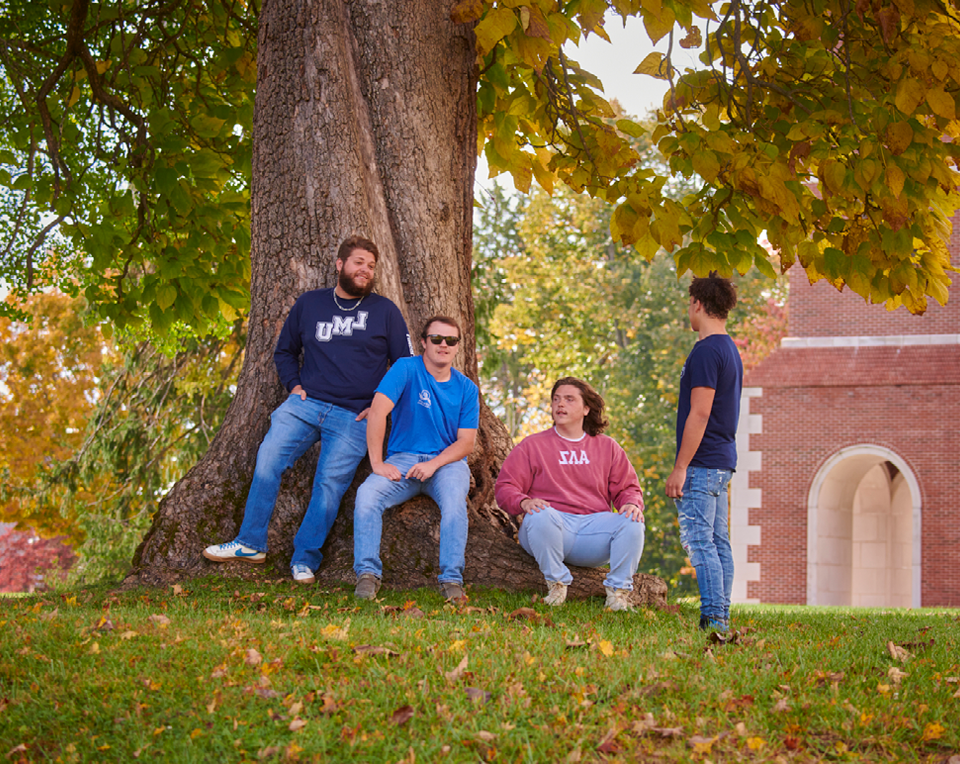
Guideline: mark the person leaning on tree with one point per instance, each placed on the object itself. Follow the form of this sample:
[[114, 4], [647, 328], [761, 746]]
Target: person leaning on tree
[[348, 337], [563, 482], [707, 415], [436, 412]]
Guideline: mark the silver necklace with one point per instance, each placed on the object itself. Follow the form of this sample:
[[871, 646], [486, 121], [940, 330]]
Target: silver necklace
[[346, 310]]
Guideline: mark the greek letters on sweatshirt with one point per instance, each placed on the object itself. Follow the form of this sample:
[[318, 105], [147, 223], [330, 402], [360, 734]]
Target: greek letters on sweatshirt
[[345, 352], [580, 477]]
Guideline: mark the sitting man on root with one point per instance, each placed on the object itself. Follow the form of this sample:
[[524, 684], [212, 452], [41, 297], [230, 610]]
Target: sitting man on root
[[563, 481], [436, 412]]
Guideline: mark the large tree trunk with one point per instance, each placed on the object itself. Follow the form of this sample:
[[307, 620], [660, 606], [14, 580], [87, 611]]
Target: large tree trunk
[[365, 123]]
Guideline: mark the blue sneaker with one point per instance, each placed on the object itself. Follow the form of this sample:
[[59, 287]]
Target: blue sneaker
[[233, 550], [714, 624], [302, 573]]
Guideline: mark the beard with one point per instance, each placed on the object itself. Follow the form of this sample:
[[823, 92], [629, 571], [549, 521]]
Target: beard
[[352, 288]]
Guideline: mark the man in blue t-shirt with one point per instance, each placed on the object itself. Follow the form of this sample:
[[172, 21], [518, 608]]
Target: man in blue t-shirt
[[347, 337], [707, 416], [436, 411]]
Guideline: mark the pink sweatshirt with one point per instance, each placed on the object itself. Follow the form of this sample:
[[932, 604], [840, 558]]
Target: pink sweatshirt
[[580, 477]]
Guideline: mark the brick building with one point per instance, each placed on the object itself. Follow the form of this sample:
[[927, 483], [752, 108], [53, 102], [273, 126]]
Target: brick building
[[849, 447]]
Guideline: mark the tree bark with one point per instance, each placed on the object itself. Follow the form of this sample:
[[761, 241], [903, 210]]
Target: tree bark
[[365, 123]]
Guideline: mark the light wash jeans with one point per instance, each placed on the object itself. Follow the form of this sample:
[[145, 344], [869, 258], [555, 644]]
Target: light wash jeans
[[295, 426], [705, 537], [448, 487], [587, 541]]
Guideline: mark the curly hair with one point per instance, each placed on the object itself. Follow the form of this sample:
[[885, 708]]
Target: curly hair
[[717, 295], [594, 422], [357, 242]]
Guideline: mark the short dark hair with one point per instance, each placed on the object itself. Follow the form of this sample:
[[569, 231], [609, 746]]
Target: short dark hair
[[357, 242], [717, 295], [594, 422], [442, 320]]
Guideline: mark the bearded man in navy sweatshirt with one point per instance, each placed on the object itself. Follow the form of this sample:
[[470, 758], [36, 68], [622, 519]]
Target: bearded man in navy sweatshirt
[[348, 337]]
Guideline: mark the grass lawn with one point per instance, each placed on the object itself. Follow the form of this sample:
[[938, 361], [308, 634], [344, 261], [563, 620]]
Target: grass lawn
[[225, 671]]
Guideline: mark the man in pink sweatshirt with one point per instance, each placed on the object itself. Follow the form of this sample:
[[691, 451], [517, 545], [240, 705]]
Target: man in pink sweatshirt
[[564, 481]]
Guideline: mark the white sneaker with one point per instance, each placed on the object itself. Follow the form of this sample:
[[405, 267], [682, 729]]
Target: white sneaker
[[302, 574], [556, 593], [618, 599], [233, 550]]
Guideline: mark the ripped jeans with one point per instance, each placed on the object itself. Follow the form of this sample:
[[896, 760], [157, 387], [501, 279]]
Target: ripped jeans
[[705, 536]]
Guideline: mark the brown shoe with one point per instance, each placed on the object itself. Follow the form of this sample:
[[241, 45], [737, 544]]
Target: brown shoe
[[367, 586], [452, 591]]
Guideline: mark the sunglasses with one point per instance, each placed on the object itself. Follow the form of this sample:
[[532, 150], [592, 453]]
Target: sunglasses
[[436, 339]]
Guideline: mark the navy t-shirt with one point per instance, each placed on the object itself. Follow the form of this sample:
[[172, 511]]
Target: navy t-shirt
[[715, 363], [345, 352]]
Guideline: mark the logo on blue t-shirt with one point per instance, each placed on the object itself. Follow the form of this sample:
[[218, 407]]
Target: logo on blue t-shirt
[[424, 398], [341, 326]]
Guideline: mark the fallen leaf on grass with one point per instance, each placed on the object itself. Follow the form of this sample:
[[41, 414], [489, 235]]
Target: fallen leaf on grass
[[701, 745], [375, 650], [297, 724], [268, 753], [51, 615], [781, 706], [477, 695], [897, 652], [755, 743], [402, 715], [529, 614], [608, 743], [159, 619], [329, 705], [573, 644], [332, 631], [178, 590], [129, 634], [487, 737], [667, 732], [104, 624], [253, 658], [453, 676], [896, 675], [933, 731]]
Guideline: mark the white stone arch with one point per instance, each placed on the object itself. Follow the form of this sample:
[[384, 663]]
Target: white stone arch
[[846, 469]]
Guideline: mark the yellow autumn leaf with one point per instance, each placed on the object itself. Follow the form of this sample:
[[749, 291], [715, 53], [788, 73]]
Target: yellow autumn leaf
[[895, 179], [95, 648], [933, 731], [705, 164], [102, 66], [899, 137], [74, 96], [332, 631], [466, 11], [755, 743], [653, 66], [605, 647], [659, 25], [457, 645], [909, 95], [941, 103], [494, 27]]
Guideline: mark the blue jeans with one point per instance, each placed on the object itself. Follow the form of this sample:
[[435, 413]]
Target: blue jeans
[[705, 537], [448, 486], [587, 541], [294, 427]]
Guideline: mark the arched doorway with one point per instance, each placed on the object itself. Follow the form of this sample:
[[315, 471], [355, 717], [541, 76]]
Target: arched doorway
[[863, 531]]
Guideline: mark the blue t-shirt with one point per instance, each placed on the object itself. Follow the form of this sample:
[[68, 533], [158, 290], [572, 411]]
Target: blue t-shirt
[[345, 352], [715, 363], [427, 413]]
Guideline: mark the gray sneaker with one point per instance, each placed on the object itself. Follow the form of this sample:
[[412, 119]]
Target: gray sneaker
[[618, 599], [367, 586], [556, 593], [452, 591]]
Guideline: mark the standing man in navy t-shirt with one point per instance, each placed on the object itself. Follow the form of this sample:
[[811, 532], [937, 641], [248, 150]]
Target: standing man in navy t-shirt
[[347, 336], [707, 416], [436, 412]]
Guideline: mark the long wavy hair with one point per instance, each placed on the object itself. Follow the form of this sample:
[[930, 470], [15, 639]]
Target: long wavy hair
[[594, 422]]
